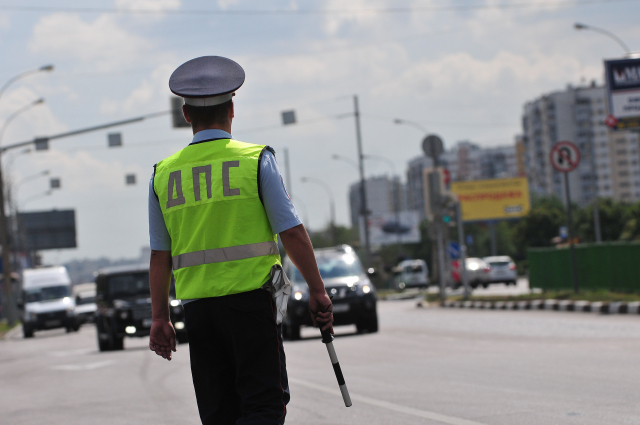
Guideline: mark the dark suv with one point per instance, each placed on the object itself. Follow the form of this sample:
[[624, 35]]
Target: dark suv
[[354, 297], [124, 306]]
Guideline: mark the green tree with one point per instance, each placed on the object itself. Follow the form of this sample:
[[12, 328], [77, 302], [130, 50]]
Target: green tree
[[344, 235], [614, 218], [541, 225]]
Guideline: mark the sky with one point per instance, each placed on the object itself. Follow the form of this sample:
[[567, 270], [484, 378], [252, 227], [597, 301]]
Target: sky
[[462, 69]]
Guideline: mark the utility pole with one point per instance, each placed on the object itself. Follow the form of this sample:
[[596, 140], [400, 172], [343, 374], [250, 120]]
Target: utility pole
[[433, 147], [363, 190]]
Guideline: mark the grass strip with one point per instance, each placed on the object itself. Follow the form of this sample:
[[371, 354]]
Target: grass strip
[[5, 327]]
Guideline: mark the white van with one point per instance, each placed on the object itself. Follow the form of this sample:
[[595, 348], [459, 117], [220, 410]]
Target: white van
[[411, 274], [47, 302]]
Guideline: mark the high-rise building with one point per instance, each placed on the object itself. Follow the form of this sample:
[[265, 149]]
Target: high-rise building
[[465, 161], [384, 194], [625, 167], [577, 115]]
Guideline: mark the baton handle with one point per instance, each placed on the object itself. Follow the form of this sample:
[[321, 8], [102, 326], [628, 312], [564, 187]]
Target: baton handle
[[327, 336]]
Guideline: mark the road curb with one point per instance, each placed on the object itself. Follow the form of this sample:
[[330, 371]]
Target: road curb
[[613, 307], [13, 332]]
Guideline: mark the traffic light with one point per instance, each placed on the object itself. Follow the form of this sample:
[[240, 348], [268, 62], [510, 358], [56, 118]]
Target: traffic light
[[448, 208]]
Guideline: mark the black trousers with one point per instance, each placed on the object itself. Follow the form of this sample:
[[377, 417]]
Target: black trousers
[[237, 359]]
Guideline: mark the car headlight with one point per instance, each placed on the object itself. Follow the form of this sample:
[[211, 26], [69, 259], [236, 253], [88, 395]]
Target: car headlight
[[300, 292], [30, 316], [365, 286], [175, 303]]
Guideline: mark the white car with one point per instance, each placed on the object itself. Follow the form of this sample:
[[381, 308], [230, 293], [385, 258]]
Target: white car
[[412, 274], [47, 301], [501, 269], [85, 295]]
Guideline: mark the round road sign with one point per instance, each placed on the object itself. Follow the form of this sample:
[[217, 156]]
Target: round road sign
[[565, 156], [432, 146]]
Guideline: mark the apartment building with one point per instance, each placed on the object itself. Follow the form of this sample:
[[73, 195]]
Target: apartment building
[[465, 161], [576, 114]]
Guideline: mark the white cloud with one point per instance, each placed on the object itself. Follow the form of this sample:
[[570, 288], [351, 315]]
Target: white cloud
[[5, 22], [224, 4], [101, 43], [151, 94], [155, 5], [460, 73], [335, 22], [38, 120]]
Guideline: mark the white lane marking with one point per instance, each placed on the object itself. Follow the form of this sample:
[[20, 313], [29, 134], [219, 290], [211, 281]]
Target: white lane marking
[[80, 367], [390, 406]]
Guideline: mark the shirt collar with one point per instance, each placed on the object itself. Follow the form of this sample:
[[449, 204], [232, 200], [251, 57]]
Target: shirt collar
[[212, 133]]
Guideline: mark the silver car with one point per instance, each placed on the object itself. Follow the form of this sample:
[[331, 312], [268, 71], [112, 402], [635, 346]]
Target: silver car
[[477, 273], [501, 269]]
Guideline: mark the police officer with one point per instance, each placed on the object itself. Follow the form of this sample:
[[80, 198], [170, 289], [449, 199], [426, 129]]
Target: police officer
[[215, 208]]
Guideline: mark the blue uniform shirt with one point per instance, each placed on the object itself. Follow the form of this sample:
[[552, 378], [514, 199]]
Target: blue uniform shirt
[[281, 213]]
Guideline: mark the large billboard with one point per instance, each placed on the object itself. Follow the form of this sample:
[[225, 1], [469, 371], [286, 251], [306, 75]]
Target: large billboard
[[623, 89], [47, 230], [384, 229], [497, 199]]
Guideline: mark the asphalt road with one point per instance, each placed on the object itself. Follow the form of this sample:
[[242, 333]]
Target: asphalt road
[[425, 366]]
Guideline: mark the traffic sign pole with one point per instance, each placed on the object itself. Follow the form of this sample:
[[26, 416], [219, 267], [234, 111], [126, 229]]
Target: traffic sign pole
[[574, 266], [463, 251], [565, 158]]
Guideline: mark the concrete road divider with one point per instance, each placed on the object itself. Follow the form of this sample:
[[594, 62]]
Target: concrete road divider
[[615, 307]]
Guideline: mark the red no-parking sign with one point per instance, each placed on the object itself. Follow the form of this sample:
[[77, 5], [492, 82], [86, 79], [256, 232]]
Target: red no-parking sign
[[565, 156]]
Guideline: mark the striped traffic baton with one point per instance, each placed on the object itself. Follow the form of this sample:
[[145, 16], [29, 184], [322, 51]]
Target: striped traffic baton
[[327, 339]]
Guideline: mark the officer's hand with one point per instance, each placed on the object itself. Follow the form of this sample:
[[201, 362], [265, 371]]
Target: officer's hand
[[163, 338], [321, 310]]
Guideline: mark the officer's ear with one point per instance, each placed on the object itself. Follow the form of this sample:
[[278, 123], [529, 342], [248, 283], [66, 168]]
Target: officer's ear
[[187, 118], [231, 112]]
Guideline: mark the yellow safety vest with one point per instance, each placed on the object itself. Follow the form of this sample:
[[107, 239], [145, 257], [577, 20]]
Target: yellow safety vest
[[221, 239]]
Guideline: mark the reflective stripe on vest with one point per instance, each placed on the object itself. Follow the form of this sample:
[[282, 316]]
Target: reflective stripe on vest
[[221, 239], [218, 255]]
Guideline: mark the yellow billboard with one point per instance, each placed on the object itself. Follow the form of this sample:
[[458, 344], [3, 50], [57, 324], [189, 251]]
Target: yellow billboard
[[496, 199]]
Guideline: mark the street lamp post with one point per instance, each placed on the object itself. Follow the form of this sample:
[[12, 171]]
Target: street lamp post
[[45, 68], [596, 208], [609, 34], [9, 307], [363, 189], [36, 197], [332, 206], [345, 159]]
